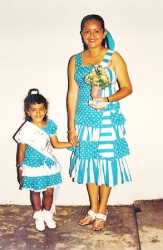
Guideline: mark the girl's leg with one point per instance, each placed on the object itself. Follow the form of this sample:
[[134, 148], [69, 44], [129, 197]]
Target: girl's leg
[[35, 200], [47, 201], [93, 192], [48, 198], [36, 203], [104, 196]]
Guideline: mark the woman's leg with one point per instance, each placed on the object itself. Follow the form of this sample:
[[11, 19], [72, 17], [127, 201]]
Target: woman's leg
[[93, 192], [104, 193], [48, 198], [104, 196], [35, 200]]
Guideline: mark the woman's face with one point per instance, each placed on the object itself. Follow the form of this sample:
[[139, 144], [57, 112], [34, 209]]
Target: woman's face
[[93, 33]]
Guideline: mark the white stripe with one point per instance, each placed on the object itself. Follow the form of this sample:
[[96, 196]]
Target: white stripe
[[106, 130], [75, 170], [106, 138], [107, 154], [119, 180], [91, 171], [126, 168], [40, 171], [107, 121], [85, 172], [110, 175], [105, 146], [96, 134]]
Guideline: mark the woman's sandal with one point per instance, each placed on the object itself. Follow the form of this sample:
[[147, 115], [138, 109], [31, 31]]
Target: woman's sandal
[[99, 218], [91, 215]]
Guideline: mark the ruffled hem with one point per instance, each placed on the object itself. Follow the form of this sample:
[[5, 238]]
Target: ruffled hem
[[41, 183], [110, 173], [41, 190], [40, 171]]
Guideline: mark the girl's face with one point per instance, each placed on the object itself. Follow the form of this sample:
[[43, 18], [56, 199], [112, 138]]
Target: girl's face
[[37, 112], [93, 33]]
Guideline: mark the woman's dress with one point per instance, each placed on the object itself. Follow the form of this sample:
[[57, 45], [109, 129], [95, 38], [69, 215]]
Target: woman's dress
[[100, 156]]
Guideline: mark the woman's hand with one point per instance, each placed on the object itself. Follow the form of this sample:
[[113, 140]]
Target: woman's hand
[[96, 103], [101, 99], [73, 138]]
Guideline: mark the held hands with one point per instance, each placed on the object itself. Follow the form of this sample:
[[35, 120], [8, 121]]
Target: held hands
[[73, 138]]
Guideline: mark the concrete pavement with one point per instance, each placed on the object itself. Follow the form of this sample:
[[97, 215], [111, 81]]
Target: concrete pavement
[[131, 227]]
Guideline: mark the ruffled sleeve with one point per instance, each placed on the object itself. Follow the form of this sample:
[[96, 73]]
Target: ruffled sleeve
[[52, 128]]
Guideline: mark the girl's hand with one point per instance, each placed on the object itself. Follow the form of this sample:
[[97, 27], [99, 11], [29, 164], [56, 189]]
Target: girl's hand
[[19, 175], [73, 138]]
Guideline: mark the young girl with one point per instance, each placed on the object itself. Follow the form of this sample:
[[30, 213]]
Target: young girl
[[38, 169]]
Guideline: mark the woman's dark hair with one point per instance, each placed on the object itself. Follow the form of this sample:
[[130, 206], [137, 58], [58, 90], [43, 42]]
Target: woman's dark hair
[[34, 97], [98, 18]]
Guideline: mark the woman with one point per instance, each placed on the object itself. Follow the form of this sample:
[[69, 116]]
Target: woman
[[99, 160]]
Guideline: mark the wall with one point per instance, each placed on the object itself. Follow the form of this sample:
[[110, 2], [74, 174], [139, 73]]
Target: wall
[[37, 39]]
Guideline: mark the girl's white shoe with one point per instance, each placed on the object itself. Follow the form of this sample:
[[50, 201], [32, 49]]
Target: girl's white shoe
[[39, 220], [48, 218]]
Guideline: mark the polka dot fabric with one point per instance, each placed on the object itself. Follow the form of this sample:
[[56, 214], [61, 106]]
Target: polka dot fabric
[[100, 156], [39, 171]]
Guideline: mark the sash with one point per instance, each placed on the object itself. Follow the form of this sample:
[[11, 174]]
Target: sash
[[36, 138]]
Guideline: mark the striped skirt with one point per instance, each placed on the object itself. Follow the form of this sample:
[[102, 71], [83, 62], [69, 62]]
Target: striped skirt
[[100, 156]]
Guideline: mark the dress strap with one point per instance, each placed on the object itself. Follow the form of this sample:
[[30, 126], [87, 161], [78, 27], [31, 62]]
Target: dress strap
[[78, 60], [106, 58]]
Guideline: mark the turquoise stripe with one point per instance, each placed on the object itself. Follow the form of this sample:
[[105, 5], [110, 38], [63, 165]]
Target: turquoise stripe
[[110, 91], [96, 174], [104, 118], [106, 134], [106, 126], [110, 73], [109, 54], [106, 142], [106, 171], [105, 60], [106, 150], [115, 173], [81, 173], [88, 174]]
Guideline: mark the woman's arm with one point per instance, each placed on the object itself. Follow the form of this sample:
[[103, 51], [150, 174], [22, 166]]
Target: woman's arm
[[122, 77], [119, 66], [72, 97]]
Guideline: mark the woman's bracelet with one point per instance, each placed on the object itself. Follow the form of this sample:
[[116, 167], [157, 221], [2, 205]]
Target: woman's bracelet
[[18, 165], [71, 130], [108, 99]]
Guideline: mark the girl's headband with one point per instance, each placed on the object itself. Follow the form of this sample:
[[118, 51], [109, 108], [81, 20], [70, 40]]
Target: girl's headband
[[110, 39]]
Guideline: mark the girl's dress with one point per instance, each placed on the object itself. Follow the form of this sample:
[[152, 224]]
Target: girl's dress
[[100, 156], [39, 171]]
